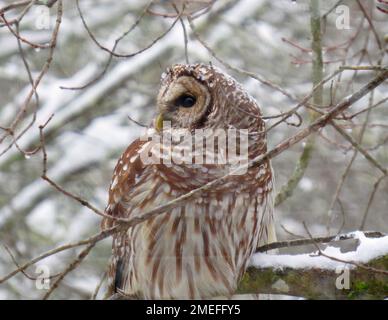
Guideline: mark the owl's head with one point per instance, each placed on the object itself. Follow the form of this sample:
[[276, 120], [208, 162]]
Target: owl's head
[[184, 98], [200, 96]]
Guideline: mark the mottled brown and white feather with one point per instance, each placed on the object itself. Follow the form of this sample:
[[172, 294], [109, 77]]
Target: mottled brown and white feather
[[201, 249]]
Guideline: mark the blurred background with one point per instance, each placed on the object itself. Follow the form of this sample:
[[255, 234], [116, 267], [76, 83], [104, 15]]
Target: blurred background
[[90, 127]]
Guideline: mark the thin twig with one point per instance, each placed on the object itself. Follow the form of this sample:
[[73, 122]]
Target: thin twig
[[99, 285], [370, 201], [312, 240], [356, 145], [73, 265]]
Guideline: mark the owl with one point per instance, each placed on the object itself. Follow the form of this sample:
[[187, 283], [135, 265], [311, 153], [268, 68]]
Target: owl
[[200, 249]]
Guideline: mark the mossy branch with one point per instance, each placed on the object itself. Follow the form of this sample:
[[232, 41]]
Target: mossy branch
[[318, 283], [287, 190]]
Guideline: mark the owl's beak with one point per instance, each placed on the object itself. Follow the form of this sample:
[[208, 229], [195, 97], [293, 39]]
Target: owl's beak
[[159, 122]]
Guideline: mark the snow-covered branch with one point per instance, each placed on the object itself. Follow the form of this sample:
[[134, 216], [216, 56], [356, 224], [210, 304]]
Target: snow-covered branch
[[327, 274]]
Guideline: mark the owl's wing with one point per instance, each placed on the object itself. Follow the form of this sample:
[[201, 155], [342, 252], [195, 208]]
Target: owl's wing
[[127, 173]]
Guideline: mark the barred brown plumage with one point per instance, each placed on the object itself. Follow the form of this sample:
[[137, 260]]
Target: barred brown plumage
[[201, 249]]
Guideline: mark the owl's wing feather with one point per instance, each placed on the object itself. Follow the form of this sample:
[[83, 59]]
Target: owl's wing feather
[[127, 172], [129, 169]]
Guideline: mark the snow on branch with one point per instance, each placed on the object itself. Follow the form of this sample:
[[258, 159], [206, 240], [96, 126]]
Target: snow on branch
[[330, 258], [323, 274]]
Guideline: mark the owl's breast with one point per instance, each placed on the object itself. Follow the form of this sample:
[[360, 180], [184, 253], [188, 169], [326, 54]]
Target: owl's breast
[[198, 250]]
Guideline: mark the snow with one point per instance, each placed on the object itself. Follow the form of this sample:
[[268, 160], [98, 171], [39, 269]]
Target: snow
[[43, 219], [233, 17], [306, 184], [368, 249]]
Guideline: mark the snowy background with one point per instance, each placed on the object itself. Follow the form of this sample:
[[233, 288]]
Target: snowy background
[[90, 127]]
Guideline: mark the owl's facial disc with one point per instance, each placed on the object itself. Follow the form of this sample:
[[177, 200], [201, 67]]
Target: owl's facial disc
[[184, 102]]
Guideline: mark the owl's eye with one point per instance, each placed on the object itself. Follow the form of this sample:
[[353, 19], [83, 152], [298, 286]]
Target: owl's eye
[[185, 101]]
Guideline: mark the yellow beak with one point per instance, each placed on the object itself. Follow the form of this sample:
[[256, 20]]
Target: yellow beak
[[159, 122]]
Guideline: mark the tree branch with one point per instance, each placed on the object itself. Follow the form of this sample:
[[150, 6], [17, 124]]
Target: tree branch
[[317, 283]]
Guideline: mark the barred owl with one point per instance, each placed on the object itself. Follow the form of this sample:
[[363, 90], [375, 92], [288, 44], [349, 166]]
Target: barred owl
[[202, 248]]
